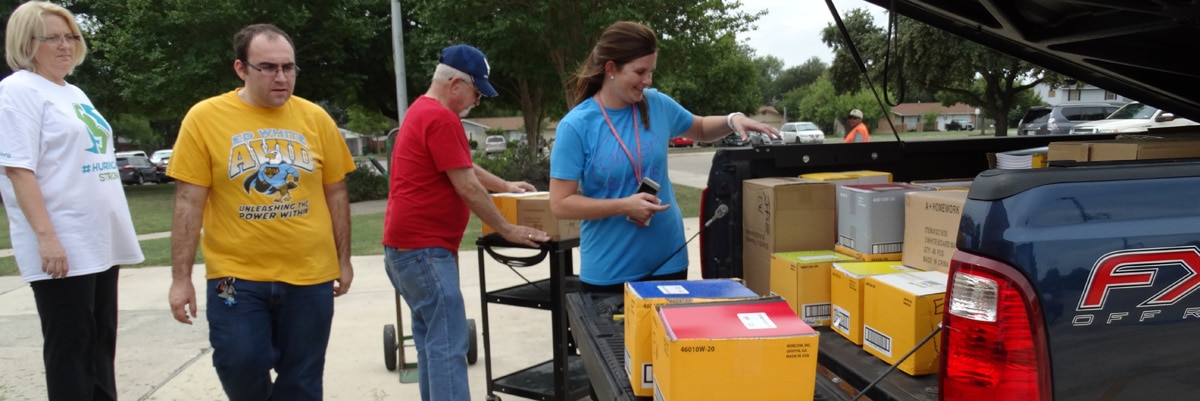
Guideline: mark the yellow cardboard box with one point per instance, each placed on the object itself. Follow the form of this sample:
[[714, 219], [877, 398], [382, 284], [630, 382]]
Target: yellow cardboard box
[[506, 203], [868, 257], [802, 279], [931, 228], [640, 299], [743, 350], [532, 209], [783, 214], [846, 297], [870, 177], [903, 309]]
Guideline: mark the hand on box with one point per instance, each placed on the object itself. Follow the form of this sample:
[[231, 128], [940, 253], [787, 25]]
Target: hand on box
[[527, 236]]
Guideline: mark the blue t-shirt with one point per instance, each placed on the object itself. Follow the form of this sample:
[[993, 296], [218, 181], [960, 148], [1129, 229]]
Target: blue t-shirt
[[614, 250]]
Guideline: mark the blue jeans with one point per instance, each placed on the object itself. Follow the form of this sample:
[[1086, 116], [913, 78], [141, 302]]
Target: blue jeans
[[272, 325], [428, 280]]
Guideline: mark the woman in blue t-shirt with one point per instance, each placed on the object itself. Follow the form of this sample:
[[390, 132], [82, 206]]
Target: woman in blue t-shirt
[[615, 137]]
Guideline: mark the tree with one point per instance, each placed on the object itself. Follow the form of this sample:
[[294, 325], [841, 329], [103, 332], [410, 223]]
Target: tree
[[822, 105], [929, 118], [769, 68], [535, 46], [933, 61]]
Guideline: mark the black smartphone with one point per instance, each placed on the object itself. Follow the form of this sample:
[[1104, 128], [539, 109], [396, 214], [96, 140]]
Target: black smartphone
[[648, 186]]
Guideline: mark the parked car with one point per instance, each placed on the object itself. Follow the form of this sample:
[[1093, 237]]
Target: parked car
[[136, 169], [960, 125], [131, 153], [1059, 119], [801, 132], [494, 144], [758, 138], [160, 156], [1133, 117], [680, 142]]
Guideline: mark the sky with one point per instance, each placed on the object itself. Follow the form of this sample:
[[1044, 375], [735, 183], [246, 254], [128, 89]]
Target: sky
[[791, 30]]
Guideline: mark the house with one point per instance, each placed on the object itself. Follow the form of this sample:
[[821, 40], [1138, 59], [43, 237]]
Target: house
[[768, 115], [354, 141], [909, 117], [1086, 93], [514, 128]]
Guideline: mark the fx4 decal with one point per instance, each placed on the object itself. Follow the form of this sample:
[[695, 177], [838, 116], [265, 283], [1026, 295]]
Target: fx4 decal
[[1138, 268]]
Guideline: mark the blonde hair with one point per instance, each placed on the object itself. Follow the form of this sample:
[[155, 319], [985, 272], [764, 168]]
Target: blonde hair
[[26, 22]]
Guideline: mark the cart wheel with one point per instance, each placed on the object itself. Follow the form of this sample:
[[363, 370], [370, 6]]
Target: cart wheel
[[472, 343], [389, 346]]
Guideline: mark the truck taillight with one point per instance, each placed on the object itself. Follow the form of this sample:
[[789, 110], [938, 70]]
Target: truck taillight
[[993, 338]]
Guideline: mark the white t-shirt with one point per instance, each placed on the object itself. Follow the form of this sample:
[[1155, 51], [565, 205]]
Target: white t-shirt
[[55, 132]]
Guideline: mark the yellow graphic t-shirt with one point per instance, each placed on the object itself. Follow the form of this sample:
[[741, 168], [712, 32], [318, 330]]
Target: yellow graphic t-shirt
[[266, 218]]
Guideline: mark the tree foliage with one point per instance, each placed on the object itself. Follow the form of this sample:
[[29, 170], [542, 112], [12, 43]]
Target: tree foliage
[[933, 61]]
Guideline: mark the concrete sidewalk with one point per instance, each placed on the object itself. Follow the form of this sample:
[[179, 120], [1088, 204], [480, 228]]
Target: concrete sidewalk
[[161, 359]]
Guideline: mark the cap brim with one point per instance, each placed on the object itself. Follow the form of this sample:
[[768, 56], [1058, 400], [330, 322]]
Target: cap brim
[[485, 87]]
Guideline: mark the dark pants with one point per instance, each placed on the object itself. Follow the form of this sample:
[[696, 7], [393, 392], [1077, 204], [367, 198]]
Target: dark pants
[[79, 326]]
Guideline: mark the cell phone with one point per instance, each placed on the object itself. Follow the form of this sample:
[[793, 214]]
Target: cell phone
[[648, 186]]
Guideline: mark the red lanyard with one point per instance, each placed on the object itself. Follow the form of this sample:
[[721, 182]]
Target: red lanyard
[[637, 164]]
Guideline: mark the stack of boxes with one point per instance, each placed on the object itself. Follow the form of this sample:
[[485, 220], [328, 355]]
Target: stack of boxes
[[824, 241], [747, 350], [642, 297]]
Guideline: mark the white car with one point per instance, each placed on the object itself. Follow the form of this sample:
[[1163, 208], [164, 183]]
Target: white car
[[1132, 117], [160, 156], [494, 144], [801, 132]]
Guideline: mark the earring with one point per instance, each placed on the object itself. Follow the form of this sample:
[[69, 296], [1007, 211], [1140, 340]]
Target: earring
[[611, 77]]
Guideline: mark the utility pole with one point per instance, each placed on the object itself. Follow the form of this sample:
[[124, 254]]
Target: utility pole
[[398, 57]]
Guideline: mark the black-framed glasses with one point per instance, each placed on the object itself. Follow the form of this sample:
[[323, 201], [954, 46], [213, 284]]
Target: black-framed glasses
[[58, 39], [270, 70]]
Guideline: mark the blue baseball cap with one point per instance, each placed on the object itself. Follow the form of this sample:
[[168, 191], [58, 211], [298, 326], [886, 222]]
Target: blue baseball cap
[[472, 62]]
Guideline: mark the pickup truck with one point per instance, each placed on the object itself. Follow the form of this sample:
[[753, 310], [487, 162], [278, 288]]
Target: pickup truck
[[1072, 282]]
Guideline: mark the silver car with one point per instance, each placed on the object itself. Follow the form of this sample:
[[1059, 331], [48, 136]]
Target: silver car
[[801, 132]]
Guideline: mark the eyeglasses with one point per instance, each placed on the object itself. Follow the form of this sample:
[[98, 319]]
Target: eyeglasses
[[270, 70], [471, 83], [58, 39]]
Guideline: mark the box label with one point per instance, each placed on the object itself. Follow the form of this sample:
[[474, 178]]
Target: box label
[[877, 340], [813, 313], [756, 321], [672, 289], [841, 319]]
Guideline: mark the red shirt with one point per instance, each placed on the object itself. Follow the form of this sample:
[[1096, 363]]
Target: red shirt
[[423, 210]]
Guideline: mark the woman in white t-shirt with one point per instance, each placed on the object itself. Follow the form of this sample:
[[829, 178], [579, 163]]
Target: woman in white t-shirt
[[68, 219]]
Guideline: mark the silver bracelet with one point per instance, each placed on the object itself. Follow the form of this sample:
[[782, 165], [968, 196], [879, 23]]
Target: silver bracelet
[[729, 119]]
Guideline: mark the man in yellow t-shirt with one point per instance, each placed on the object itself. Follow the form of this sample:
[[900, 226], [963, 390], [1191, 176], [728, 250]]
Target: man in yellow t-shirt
[[263, 172]]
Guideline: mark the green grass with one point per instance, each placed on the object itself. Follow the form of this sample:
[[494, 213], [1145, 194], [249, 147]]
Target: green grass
[[152, 206]]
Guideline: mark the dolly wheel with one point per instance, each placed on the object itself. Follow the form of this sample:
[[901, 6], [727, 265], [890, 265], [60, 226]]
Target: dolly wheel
[[472, 343], [389, 346]]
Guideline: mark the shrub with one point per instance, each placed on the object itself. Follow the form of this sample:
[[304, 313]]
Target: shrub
[[364, 183], [518, 163]]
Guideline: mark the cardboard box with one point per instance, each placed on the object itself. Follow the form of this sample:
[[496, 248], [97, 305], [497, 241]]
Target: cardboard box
[[949, 184], [902, 310], [846, 297], [870, 177], [1144, 149], [868, 257], [1078, 151], [931, 222], [802, 279], [640, 300], [748, 350], [779, 215], [532, 209], [871, 216], [835, 178]]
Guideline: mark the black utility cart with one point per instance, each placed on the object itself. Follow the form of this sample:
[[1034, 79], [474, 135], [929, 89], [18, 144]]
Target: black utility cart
[[562, 378]]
